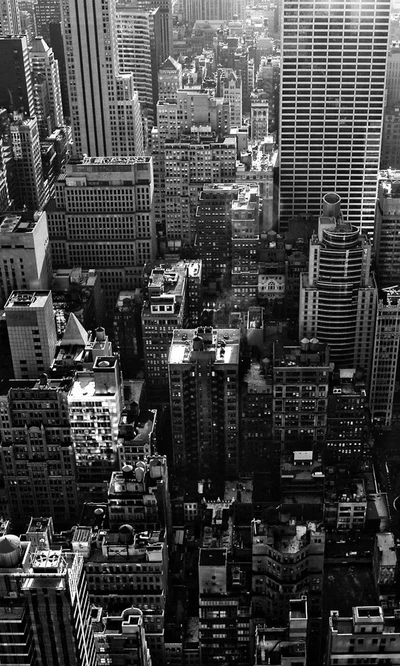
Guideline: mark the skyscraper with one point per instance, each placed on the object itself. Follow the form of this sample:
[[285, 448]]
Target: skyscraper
[[32, 332], [48, 107], [103, 218], [9, 17], [139, 52], [16, 90], [338, 295], [332, 96], [104, 106], [204, 394]]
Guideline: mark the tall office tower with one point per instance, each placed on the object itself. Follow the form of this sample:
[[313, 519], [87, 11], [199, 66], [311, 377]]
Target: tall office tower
[[166, 36], [58, 602], [212, 10], [16, 90], [214, 232], [169, 79], [32, 332], [9, 18], [302, 543], [195, 291], [4, 191], [37, 456], [338, 295], [128, 331], [188, 164], [387, 229], [56, 42], [122, 638], [137, 575], [393, 76], [245, 226], [347, 426], [46, 12], [300, 379], [230, 88], [25, 253], [138, 39], [256, 431], [164, 310], [204, 395], [98, 103], [46, 85], [385, 357], [390, 152], [332, 97], [32, 192], [27, 19], [368, 634], [95, 400], [103, 218]]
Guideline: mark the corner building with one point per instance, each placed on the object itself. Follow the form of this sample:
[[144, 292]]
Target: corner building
[[204, 394], [332, 97]]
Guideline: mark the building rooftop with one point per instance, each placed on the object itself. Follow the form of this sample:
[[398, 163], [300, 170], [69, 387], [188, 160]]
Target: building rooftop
[[28, 299], [220, 345], [387, 549], [213, 557], [19, 223]]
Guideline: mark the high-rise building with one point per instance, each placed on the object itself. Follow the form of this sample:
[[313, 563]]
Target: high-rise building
[[210, 10], [188, 164], [139, 52], [104, 106], [387, 229], [46, 12], [46, 87], [128, 331], [169, 79], [25, 253], [9, 18], [301, 380], [16, 90], [31, 331], [346, 435], [390, 154], [385, 356], [37, 457], [245, 244], [58, 603], [393, 75], [4, 192], [338, 295], [204, 395], [103, 218], [165, 36], [126, 568], [164, 310], [31, 188], [332, 97], [214, 231]]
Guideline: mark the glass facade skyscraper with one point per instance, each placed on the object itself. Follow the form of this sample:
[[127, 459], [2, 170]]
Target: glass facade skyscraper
[[332, 97]]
